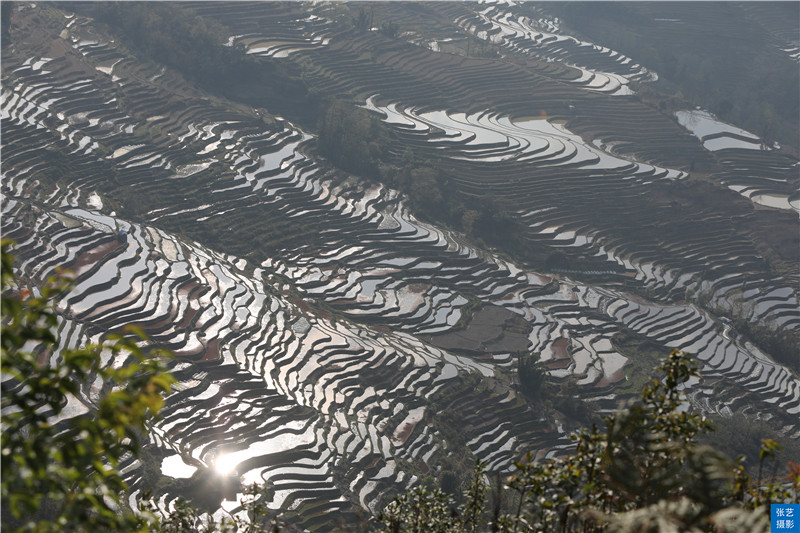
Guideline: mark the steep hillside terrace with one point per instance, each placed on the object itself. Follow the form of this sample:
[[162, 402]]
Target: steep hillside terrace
[[600, 69], [307, 308]]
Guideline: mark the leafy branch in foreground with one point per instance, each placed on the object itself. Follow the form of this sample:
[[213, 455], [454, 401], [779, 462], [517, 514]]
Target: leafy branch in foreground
[[60, 456], [60, 473], [423, 511], [644, 473], [184, 518]]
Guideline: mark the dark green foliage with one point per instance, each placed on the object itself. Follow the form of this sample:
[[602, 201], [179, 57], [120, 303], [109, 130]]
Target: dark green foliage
[[558, 260], [782, 343], [364, 20], [742, 435], [421, 511], [172, 34], [61, 475], [739, 75], [424, 190], [389, 29], [644, 355], [356, 141], [496, 224], [644, 473], [352, 139], [434, 511], [543, 393], [532, 376], [6, 8], [566, 399], [188, 519]]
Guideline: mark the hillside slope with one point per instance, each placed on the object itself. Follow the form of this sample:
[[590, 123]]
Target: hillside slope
[[335, 339]]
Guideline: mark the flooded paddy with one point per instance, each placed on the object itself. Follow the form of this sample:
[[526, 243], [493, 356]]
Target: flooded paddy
[[491, 138], [715, 134], [319, 335]]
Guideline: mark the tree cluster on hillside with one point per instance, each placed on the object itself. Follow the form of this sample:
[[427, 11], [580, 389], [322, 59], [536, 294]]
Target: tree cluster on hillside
[[174, 35], [644, 471], [781, 343], [6, 9], [352, 139], [177, 38], [761, 97], [356, 141]]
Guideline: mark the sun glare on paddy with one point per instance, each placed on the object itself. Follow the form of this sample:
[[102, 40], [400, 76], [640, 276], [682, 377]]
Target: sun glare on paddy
[[224, 464]]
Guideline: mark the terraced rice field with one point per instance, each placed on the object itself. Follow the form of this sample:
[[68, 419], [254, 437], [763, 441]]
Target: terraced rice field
[[326, 340]]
